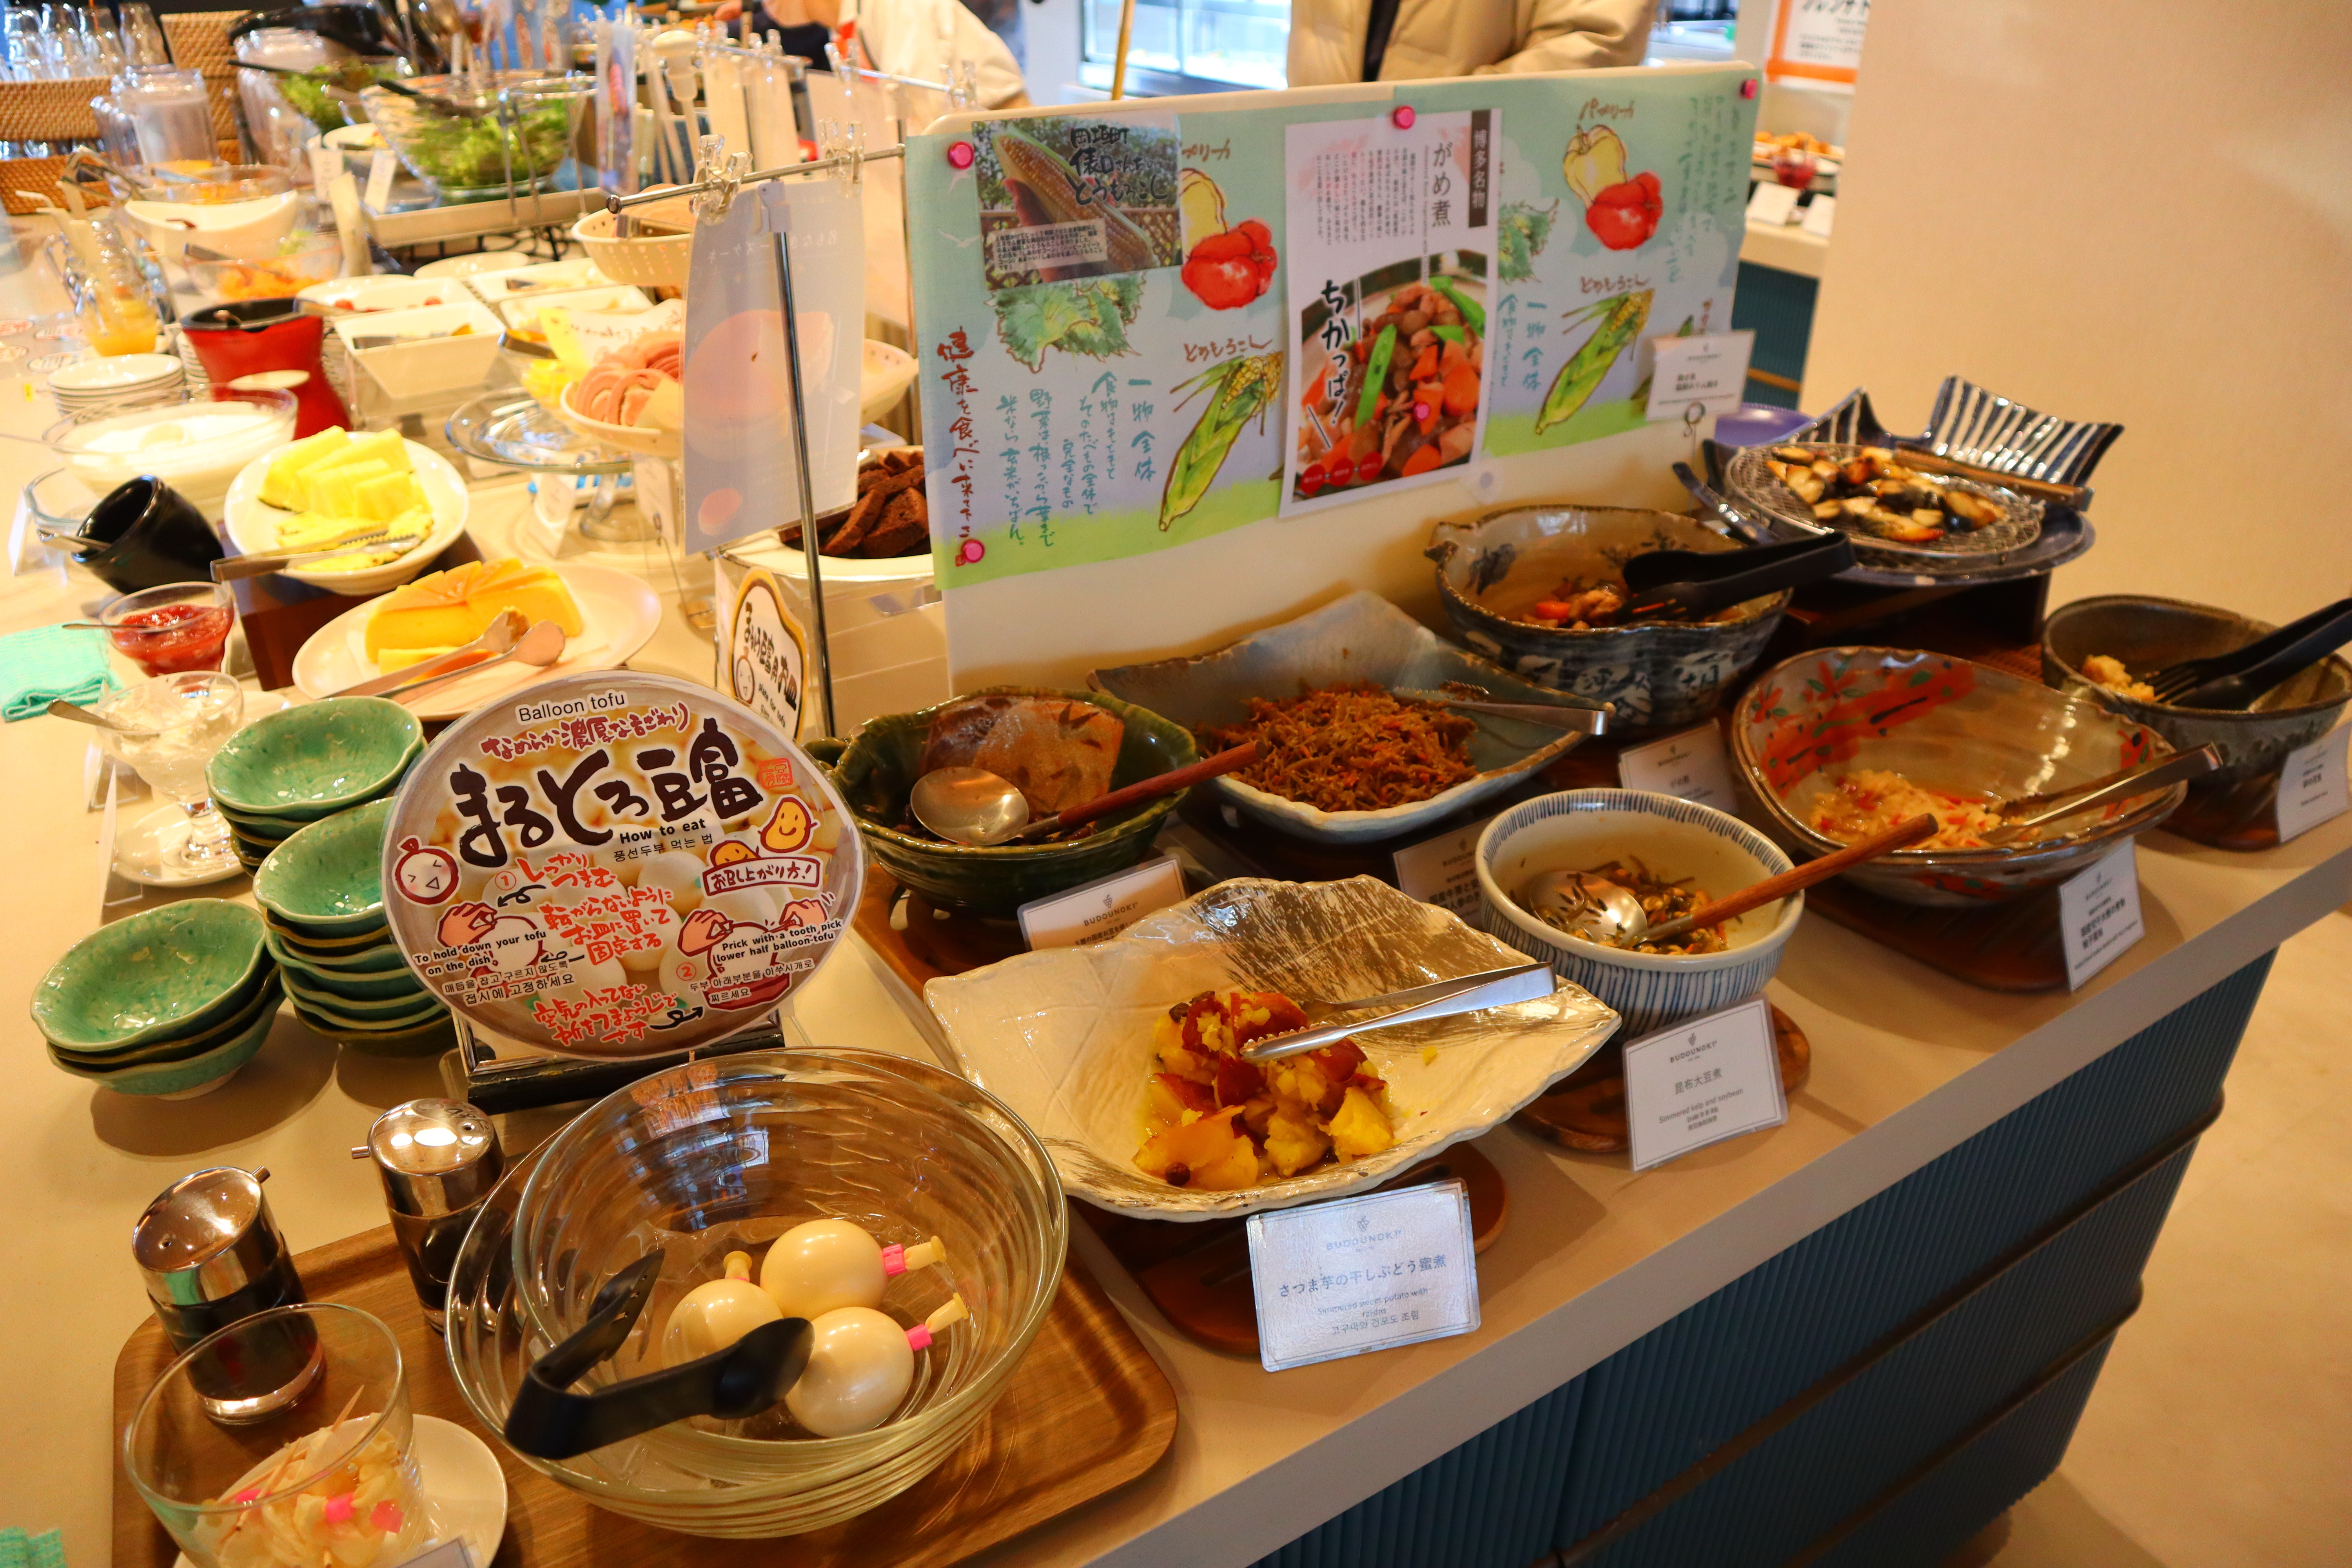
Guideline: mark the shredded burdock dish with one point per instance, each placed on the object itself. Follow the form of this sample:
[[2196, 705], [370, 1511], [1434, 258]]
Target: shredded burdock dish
[[1350, 748]]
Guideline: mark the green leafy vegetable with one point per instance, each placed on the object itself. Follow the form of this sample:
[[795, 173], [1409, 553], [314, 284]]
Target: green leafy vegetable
[[1087, 316], [1526, 229], [459, 153]]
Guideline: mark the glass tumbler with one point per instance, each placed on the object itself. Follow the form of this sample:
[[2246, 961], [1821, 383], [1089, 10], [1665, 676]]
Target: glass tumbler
[[171, 629], [328, 1477], [182, 720]]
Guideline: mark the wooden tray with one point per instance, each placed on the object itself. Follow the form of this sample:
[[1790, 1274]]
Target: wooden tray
[[2013, 945], [1198, 1273], [1586, 1112], [2240, 815], [1087, 1411]]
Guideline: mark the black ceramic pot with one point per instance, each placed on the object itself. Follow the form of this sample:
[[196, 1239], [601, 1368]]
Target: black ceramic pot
[[144, 534]]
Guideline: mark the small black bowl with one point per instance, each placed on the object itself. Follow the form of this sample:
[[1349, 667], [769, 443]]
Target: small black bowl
[[147, 534]]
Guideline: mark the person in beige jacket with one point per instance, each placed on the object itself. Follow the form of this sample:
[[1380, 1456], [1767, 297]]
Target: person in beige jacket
[[1405, 40]]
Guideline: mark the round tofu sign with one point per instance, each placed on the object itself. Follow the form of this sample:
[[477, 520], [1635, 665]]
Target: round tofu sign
[[616, 865], [765, 653]]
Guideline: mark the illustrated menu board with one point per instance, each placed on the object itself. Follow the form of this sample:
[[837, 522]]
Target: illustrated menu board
[[1141, 328]]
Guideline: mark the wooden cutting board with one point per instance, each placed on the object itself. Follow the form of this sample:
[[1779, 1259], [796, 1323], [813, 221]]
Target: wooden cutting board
[[1087, 1411]]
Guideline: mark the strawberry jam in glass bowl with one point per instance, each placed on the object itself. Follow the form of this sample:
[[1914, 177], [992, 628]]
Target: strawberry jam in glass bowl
[[173, 630]]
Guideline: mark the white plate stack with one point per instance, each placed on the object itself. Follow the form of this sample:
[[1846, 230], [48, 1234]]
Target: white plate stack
[[124, 379]]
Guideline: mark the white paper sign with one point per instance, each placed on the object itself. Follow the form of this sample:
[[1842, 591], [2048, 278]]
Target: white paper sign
[[1709, 369], [451, 1553], [2098, 914], [1363, 1274], [1443, 870], [2313, 785], [1689, 766], [381, 169], [325, 165], [1819, 212], [763, 652], [1098, 910], [1772, 204], [1702, 1082]]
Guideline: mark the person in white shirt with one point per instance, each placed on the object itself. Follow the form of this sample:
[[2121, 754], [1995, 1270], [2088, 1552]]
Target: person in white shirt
[[917, 38]]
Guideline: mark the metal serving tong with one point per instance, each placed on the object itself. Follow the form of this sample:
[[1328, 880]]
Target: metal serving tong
[[1568, 714], [1699, 582], [2028, 812], [551, 1422], [1465, 994], [2234, 679], [229, 568]]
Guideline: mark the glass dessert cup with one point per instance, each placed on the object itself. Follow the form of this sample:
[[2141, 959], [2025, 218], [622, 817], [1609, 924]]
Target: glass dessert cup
[[185, 719], [173, 628], [728, 1154], [318, 1464]]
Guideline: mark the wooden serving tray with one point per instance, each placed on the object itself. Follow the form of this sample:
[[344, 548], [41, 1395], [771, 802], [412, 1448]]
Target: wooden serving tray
[[1087, 1410]]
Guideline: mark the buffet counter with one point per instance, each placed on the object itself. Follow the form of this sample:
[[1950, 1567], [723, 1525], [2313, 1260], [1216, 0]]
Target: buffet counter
[[1907, 1065]]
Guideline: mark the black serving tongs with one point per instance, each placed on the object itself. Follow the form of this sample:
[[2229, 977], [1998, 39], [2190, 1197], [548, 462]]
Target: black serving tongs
[[2235, 679], [1692, 582], [551, 1422]]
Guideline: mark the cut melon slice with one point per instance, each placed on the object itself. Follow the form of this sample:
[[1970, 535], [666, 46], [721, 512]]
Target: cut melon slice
[[282, 486]]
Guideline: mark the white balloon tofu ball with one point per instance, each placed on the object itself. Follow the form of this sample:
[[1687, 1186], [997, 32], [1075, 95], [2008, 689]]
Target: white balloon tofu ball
[[677, 874], [860, 1366]]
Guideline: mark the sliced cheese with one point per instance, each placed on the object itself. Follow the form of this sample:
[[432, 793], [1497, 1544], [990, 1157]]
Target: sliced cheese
[[447, 608]]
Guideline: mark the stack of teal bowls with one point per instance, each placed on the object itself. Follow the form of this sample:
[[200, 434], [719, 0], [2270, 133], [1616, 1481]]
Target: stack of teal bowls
[[322, 898], [281, 774], [170, 1002]]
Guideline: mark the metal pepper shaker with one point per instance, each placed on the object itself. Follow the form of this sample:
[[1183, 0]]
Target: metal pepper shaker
[[437, 1159], [211, 1253]]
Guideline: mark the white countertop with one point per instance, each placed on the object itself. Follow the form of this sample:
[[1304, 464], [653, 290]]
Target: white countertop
[[1906, 1064], [1786, 248]]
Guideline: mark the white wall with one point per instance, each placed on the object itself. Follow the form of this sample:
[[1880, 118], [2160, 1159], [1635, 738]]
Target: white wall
[[2139, 212]]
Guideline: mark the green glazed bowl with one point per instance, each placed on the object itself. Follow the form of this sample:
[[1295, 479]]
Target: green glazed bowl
[[179, 1049], [328, 880], [259, 838], [162, 974], [337, 963], [327, 984], [336, 1024], [380, 999], [876, 771], [305, 944], [272, 827], [197, 1075], [307, 761]]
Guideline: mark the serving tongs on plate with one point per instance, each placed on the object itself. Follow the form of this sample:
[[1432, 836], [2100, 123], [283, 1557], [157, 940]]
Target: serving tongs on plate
[[1443, 999], [2237, 679], [2028, 812], [1571, 712], [551, 1422], [229, 568], [1694, 582]]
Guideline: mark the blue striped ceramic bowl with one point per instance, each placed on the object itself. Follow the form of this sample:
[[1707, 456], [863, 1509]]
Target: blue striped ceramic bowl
[[1581, 828]]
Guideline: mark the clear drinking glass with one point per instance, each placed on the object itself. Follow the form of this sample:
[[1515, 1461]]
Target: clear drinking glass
[[328, 1474], [142, 36], [182, 720], [24, 39]]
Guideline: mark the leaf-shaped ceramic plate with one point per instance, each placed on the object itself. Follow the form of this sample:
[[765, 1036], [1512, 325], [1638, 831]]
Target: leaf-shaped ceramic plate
[[1064, 1037]]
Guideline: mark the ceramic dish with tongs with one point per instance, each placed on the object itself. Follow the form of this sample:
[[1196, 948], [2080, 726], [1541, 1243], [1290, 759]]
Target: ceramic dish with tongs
[[1752, 481]]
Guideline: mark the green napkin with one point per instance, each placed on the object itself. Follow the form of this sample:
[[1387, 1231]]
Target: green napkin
[[18, 1549], [39, 666]]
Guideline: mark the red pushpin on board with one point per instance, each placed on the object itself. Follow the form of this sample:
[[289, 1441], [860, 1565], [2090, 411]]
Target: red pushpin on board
[[959, 155], [1402, 116]]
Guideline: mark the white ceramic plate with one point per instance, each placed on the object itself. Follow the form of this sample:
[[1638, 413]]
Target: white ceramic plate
[[390, 292], [463, 1485], [1064, 1037], [253, 525], [143, 849], [474, 265], [619, 612], [539, 277], [644, 440]]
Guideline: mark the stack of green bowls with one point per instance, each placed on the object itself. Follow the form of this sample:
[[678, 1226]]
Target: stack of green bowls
[[322, 898], [169, 1002], [283, 772]]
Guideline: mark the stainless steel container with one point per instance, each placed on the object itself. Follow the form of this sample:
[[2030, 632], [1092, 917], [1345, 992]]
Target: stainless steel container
[[437, 1159], [210, 1253]]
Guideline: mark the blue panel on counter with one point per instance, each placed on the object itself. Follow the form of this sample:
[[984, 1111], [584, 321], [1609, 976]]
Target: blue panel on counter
[[1489, 1504], [1936, 1514], [1665, 1402], [1819, 1464]]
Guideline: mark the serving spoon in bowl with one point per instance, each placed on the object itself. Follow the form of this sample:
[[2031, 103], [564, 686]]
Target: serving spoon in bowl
[[979, 809]]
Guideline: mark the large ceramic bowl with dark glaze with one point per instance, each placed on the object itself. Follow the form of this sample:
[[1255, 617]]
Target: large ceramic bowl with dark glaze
[[2148, 634], [878, 769], [1658, 673], [1946, 724]]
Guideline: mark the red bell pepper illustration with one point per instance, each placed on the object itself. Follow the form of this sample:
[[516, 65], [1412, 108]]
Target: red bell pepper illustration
[[1227, 267], [1622, 213]]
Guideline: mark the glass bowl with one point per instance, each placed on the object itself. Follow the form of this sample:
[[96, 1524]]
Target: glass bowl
[[195, 445], [529, 131], [173, 628], [284, 1438], [730, 1153]]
